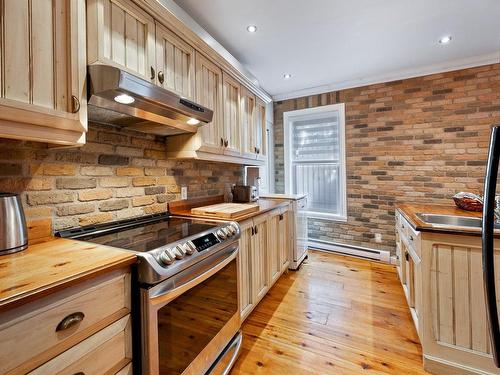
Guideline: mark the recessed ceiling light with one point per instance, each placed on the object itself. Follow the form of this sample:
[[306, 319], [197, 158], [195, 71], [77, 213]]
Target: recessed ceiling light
[[193, 121], [251, 28], [124, 99], [287, 76], [445, 39]]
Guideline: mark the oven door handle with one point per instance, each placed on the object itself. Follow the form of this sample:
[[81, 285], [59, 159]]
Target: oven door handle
[[166, 291], [235, 347]]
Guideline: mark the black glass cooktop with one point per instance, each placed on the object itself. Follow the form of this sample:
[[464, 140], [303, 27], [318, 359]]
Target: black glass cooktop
[[143, 234]]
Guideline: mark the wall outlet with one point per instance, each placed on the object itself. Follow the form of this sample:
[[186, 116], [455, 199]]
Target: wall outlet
[[378, 237], [184, 192]]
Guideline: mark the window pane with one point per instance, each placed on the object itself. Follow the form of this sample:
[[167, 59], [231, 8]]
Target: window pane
[[321, 183], [316, 139]]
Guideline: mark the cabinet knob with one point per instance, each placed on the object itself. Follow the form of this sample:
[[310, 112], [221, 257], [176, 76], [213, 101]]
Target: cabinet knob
[[70, 321], [411, 238], [161, 77], [153, 73], [75, 104]]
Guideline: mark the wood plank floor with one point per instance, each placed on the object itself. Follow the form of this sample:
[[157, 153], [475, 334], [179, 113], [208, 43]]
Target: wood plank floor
[[336, 315]]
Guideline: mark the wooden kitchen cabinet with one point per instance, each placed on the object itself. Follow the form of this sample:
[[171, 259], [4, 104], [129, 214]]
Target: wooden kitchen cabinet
[[209, 94], [260, 254], [274, 242], [441, 275], [123, 35], [245, 268], [43, 69], [248, 123], [231, 127], [175, 63], [72, 329], [285, 238], [263, 256], [260, 132]]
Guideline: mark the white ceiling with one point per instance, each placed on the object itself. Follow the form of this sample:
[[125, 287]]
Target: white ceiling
[[331, 44]]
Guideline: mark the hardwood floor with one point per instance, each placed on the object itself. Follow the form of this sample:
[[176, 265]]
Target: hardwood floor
[[336, 315]]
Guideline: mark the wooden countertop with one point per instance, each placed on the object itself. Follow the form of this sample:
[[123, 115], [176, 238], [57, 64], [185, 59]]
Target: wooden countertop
[[409, 211], [53, 265], [183, 208]]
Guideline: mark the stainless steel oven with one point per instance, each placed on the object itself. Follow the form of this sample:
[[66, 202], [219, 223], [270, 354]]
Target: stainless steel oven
[[189, 319], [186, 315]]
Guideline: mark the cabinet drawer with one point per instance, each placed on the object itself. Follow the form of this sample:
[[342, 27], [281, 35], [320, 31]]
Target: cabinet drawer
[[60, 321], [106, 352]]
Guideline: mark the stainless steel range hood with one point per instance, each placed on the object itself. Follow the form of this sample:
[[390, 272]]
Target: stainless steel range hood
[[120, 98]]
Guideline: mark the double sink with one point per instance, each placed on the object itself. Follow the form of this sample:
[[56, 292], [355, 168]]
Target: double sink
[[440, 220]]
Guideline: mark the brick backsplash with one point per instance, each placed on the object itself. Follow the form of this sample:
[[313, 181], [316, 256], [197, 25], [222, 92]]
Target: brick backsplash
[[415, 140], [117, 174]]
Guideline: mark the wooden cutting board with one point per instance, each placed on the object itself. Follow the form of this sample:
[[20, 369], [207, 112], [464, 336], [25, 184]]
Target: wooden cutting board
[[225, 210]]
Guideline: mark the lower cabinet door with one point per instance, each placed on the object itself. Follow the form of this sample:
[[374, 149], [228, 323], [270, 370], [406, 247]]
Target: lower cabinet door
[[274, 242], [108, 351], [245, 269], [285, 240], [260, 270]]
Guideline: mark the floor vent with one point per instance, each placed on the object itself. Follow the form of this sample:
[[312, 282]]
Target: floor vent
[[363, 252]]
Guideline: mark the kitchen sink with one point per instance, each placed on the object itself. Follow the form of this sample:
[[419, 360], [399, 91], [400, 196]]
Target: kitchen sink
[[452, 220]]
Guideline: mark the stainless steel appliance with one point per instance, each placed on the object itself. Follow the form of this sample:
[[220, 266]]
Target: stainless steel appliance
[[13, 230], [245, 193], [491, 214], [120, 98], [187, 290]]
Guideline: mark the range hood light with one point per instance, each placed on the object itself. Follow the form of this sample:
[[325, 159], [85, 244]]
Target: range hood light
[[193, 121], [124, 99]]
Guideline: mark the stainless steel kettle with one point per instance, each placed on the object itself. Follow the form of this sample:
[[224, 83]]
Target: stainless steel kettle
[[13, 230]]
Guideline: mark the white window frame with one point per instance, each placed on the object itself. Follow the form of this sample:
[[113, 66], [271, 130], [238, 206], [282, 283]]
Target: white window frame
[[288, 118]]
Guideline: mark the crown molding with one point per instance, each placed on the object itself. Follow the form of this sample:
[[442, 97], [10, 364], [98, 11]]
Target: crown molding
[[492, 58]]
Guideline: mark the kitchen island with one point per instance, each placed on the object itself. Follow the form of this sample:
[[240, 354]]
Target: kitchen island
[[440, 269]]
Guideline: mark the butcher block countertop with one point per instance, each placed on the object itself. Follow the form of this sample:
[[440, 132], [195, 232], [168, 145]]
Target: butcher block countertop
[[409, 211], [183, 208], [46, 267]]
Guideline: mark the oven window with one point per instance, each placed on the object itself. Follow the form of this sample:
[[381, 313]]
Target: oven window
[[187, 324]]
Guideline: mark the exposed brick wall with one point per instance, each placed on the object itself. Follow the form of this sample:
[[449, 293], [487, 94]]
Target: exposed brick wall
[[415, 140], [118, 174]]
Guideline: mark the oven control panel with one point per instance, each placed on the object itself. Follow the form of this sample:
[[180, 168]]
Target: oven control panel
[[199, 244]]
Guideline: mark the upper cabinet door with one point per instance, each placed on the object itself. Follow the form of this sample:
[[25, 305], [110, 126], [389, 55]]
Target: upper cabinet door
[[123, 35], [175, 67], [43, 69], [209, 94], [231, 99], [248, 123], [260, 129]]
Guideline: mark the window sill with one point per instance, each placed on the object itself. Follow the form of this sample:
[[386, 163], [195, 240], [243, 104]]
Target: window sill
[[329, 217]]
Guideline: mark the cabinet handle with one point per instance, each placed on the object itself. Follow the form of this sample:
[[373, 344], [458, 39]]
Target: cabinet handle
[[256, 230], [221, 141], [281, 217], [258, 150], [226, 143], [161, 77], [70, 321], [411, 238], [75, 104], [253, 231], [407, 257], [255, 149], [79, 373], [153, 73]]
